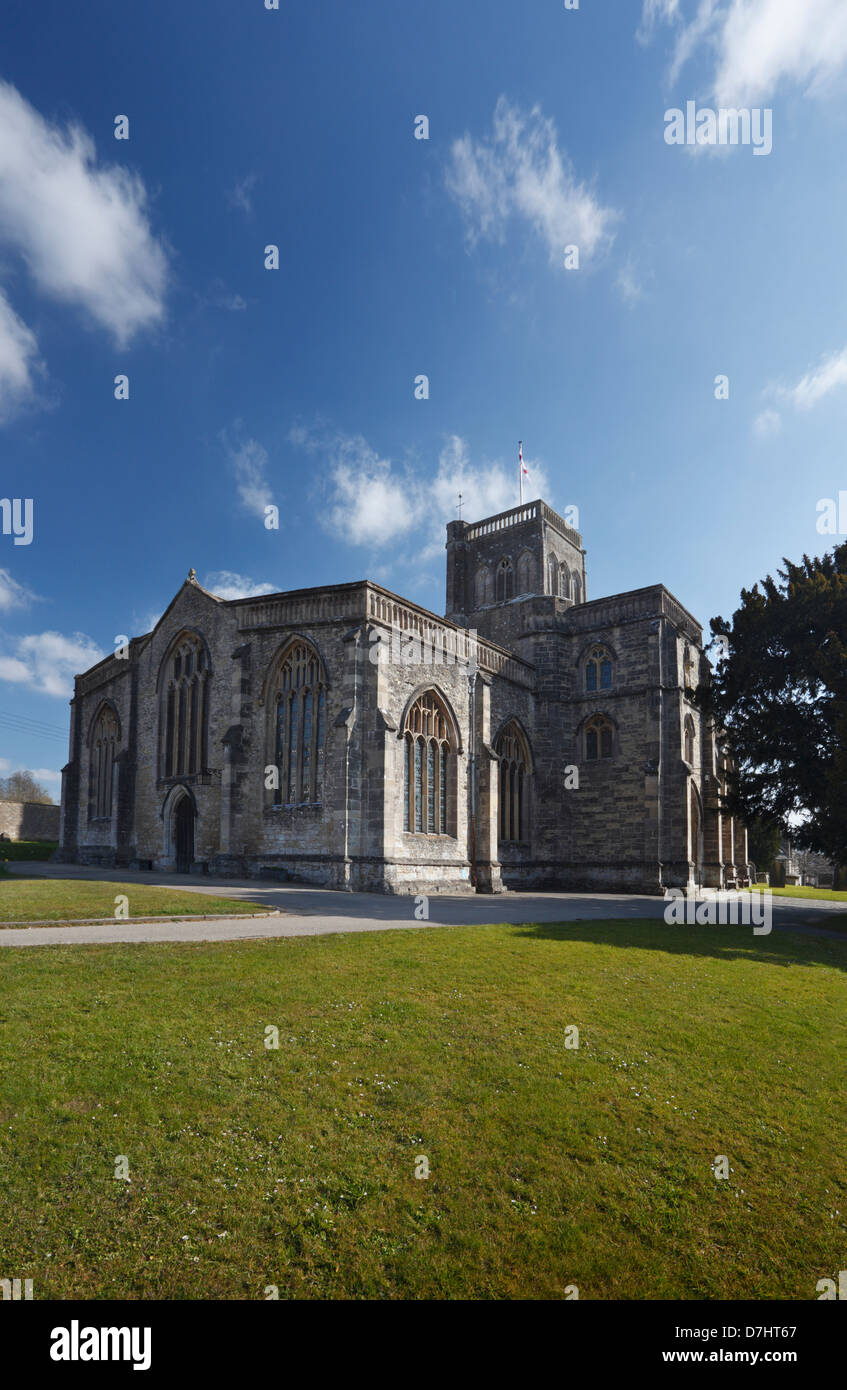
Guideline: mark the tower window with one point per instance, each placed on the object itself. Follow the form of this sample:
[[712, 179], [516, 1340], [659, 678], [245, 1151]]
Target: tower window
[[505, 581], [598, 669], [599, 738]]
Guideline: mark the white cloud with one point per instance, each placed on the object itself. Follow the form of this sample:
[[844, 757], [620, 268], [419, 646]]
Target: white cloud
[[148, 622], [767, 423], [219, 297], [376, 502], [758, 44], [249, 461], [371, 503], [47, 662], [656, 12], [13, 594], [41, 774], [693, 34], [520, 172], [487, 488], [629, 285], [764, 41], [239, 195], [828, 376], [18, 358], [227, 584], [81, 229]]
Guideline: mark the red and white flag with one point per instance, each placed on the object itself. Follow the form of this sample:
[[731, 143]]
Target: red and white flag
[[522, 468]]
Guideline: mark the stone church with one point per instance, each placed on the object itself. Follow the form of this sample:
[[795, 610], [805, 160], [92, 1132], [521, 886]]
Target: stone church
[[531, 738]]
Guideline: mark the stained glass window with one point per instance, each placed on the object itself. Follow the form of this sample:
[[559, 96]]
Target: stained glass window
[[185, 712], [599, 738], [426, 767], [300, 725], [512, 751]]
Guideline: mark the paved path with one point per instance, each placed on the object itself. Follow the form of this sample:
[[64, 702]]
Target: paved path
[[311, 911]]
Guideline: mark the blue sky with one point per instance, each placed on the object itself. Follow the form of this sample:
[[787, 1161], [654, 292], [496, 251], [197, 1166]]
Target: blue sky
[[295, 387]]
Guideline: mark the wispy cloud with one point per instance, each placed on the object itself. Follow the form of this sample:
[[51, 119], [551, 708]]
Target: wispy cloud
[[520, 173], [656, 12], [374, 501], [48, 661], [239, 195], [757, 43], [767, 424], [81, 228], [18, 360], [41, 774], [248, 460], [13, 594], [219, 297], [628, 284], [226, 584], [147, 622], [827, 377]]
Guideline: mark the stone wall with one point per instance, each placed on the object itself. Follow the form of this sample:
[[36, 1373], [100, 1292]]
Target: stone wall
[[355, 837], [29, 820], [642, 819]]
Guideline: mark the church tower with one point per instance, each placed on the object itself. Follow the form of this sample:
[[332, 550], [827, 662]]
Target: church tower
[[526, 552]]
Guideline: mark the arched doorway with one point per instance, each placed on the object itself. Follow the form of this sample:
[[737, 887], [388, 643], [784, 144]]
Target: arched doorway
[[183, 834]]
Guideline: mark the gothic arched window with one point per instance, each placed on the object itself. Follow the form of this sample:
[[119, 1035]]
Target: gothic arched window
[[482, 587], [599, 738], [688, 739], [505, 581], [564, 582], [526, 572], [184, 719], [298, 700], [427, 766], [577, 588], [512, 751], [105, 738], [598, 669], [552, 574]]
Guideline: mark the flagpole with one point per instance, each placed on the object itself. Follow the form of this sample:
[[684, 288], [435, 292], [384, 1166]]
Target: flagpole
[[520, 470]]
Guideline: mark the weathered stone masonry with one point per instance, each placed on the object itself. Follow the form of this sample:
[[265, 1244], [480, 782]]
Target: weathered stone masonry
[[532, 738], [29, 820]]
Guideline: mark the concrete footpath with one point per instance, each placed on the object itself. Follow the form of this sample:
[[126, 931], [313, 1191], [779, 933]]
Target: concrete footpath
[[307, 911]]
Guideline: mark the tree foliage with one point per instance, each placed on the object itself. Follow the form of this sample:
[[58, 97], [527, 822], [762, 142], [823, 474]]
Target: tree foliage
[[22, 786], [763, 841], [780, 693]]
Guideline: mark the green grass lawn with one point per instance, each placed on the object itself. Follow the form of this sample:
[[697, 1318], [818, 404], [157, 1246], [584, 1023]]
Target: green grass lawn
[[26, 849], [548, 1166], [69, 899]]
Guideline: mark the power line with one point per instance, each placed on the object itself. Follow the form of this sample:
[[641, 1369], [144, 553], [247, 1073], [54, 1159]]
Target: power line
[[33, 723], [21, 725], [28, 719]]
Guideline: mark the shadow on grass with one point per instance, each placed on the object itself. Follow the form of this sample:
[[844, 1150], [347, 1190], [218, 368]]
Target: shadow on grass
[[785, 947]]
